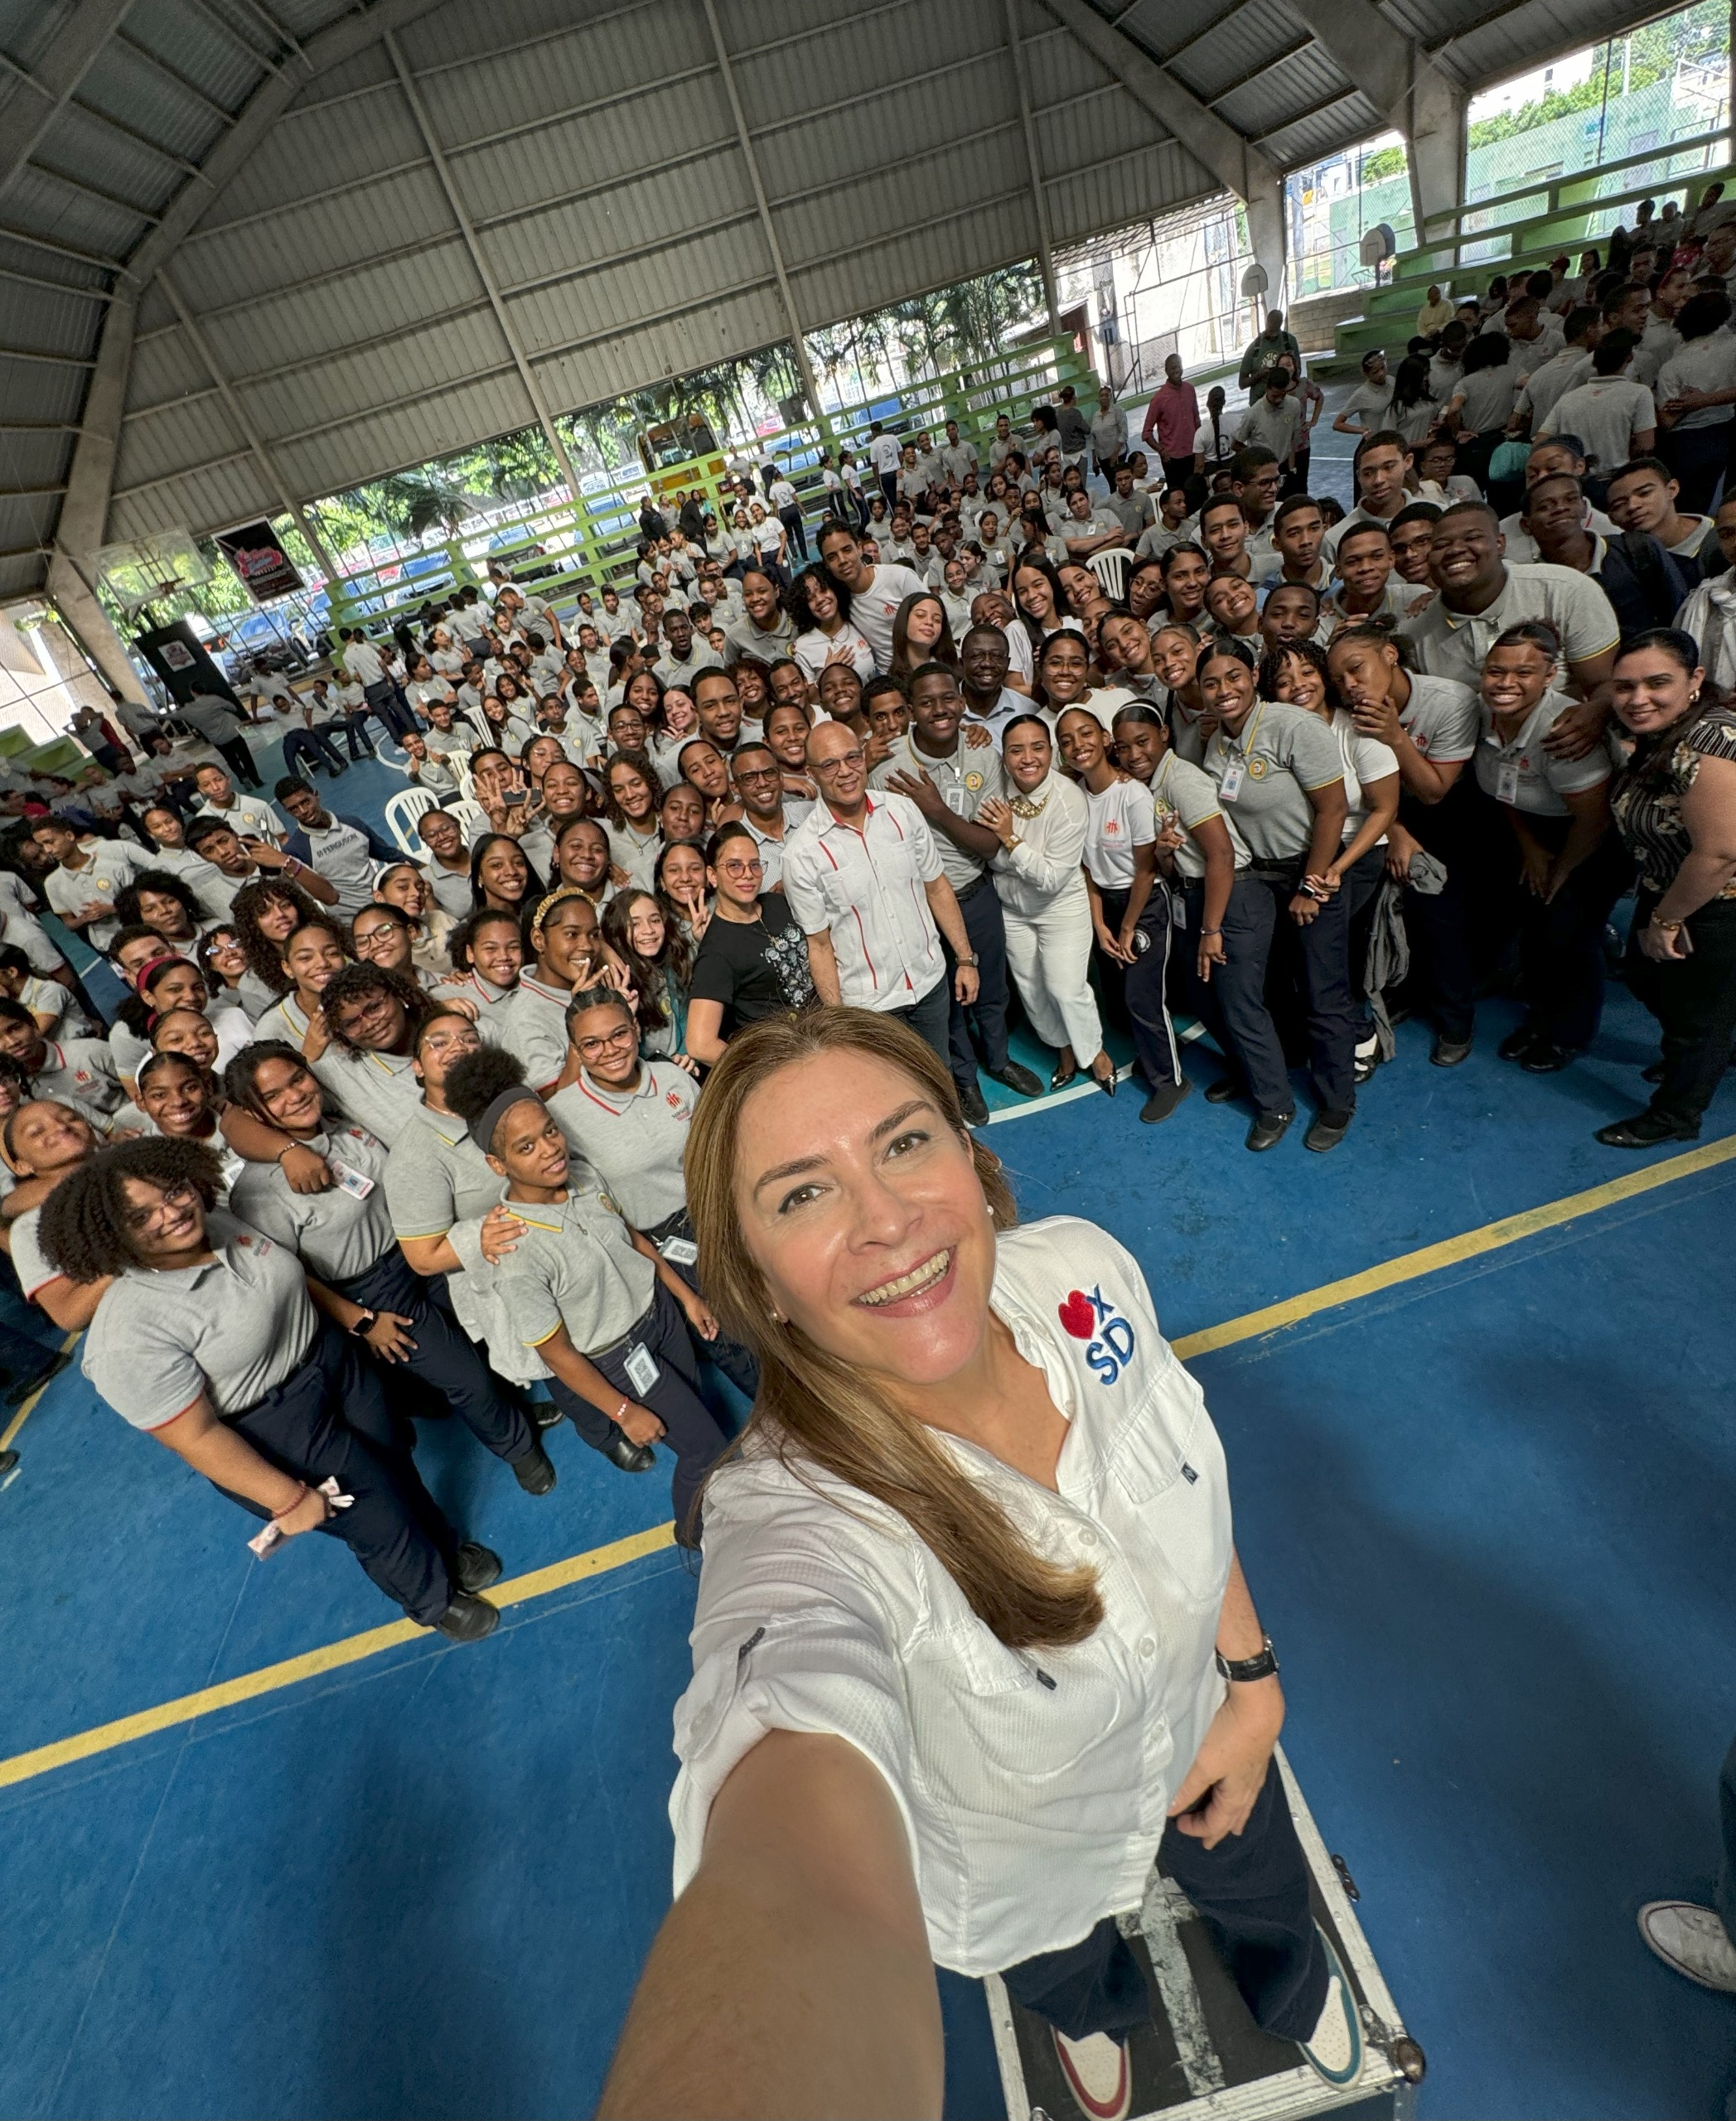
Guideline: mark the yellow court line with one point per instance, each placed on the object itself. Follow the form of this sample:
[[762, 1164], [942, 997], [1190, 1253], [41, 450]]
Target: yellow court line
[[29, 1407], [1452, 1250], [518, 1590], [333, 1657]]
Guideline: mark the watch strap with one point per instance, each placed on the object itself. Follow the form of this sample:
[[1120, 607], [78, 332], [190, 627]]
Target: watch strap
[[1246, 1669]]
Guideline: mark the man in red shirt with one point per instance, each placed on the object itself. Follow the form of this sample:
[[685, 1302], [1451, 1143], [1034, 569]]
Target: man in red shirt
[[1172, 421]]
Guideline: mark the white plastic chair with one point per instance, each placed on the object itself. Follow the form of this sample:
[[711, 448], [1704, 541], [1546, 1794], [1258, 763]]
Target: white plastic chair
[[472, 818], [1110, 567], [401, 811]]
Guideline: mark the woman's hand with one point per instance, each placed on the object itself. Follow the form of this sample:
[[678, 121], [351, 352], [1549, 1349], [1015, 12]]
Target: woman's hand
[[638, 1424], [460, 1005], [686, 1061], [1535, 862], [389, 1338], [308, 1515], [1110, 944], [316, 1037], [699, 1314], [1381, 722], [500, 1234], [1218, 1792], [698, 911], [618, 876], [1666, 942], [1303, 909], [1212, 952], [306, 1169], [998, 817]]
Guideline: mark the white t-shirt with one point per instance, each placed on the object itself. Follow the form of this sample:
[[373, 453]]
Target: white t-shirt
[[884, 452], [873, 608], [1119, 819]]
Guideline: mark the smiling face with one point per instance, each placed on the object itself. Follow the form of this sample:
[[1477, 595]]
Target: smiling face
[[1065, 669], [1138, 747], [682, 874], [48, 1136], [312, 958], [1516, 678], [497, 951], [529, 1149], [566, 941], [1653, 691], [175, 1097], [860, 1208], [502, 873], [290, 1094], [380, 940], [186, 1031]]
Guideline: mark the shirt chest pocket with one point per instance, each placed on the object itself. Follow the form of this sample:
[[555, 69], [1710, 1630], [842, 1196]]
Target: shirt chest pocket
[[986, 1720], [1172, 1481]]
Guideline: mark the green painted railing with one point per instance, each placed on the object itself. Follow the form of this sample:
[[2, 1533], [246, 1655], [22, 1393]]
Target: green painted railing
[[588, 541]]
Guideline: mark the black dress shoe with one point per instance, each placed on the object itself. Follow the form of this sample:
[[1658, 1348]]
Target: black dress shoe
[[468, 1619], [1164, 1100], [972, 1105], [1327, 1131], [1518, 1043], [534, 1472], [632, 1457], [1062, 1076], [1268, 1130], [1449, 1052], [1222, 1090], [1543, 1057], [1017, 1078], [17, 1393], [1645, 1130], [477, 1567]]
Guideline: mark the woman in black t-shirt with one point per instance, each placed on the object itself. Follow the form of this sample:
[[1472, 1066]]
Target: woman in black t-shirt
[[753, 959]]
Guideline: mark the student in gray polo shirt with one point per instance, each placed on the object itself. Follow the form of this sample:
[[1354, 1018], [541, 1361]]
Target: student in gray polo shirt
[[365, 1284], [589, 1298], [372, 1014], [209, 1339], [628, 1116]]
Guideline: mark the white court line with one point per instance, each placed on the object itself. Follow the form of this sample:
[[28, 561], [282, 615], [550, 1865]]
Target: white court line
[[1087, 1087]]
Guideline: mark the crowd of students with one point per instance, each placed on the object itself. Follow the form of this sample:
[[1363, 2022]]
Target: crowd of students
[[373, 1131]]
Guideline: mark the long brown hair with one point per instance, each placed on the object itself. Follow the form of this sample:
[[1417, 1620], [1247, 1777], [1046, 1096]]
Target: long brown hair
[[814, 1410]]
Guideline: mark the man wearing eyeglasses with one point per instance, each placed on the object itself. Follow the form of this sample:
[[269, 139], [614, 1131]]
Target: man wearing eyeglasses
[[864, 879], [758, 783]]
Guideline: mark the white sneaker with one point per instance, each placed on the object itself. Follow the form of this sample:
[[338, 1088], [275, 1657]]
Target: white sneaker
[[1335, 2047], [1099, 2074], [1693, 1940]]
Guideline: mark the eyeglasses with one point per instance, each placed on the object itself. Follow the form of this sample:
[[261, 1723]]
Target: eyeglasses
[[757, 773], [843, 758], [626, 1036], [174, 1198], [754, 867]]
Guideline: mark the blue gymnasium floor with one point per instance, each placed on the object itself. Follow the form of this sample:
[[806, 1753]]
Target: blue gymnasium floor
[[1488, 1527]]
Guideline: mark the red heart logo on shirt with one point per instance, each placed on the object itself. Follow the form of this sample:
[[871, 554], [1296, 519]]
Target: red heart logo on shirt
[[1077, 1316]]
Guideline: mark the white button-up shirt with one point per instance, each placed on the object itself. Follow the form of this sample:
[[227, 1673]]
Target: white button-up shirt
[[1033, 1784], [865, 890]]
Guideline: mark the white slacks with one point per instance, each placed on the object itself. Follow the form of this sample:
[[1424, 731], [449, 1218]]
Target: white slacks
[[1049, 953]]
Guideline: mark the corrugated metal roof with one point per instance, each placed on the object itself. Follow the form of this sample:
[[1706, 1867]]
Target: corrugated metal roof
[[596, 153]]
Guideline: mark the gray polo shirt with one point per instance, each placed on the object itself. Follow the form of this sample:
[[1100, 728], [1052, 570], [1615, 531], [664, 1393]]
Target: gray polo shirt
[[1188, 793], [1284, 753], [343, 856], [380, 1090], [635, 1140], [1453, 644], [574, 1265], [337, 1235], [438, 1183], [971, 773], [112, 865], [79, 1071], [234, 1328], [1442, 718], [1525, 776], [534, 1027]]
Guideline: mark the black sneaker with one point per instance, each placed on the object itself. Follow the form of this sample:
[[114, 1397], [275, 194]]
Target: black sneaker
[[534, 1472], [1268, 1130], [1518, 1043], [1327, 1131], [972, 1105], [468, 1619], [1164, 1100], [545, 1413], [476, 1568]]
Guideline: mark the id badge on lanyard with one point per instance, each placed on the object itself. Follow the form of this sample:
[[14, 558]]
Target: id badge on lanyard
[[641, 1367], [1506, 781], [1230, 787]]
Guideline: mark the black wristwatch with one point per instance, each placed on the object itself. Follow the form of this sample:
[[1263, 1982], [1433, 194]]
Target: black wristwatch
[[365, 1325], [1243, 1670]]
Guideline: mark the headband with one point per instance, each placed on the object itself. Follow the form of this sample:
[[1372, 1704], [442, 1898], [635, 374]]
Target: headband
[[152, 964], [483, 1125]]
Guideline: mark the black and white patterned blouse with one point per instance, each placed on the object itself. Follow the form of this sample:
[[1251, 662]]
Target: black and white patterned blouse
[[1647, 796]]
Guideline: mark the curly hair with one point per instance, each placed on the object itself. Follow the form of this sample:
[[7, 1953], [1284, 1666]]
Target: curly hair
[[356, 982], [87, 1221], [476, 1080], [640, 763], [264, 960]]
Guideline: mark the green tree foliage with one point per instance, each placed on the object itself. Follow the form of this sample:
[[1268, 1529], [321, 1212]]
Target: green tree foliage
[[1699, 36]]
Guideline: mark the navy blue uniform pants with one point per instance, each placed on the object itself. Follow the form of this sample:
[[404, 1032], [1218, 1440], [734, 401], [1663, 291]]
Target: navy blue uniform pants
[[1259, 901], [331, 1420], [1251, 1891], [1134, 994], [986, 925]]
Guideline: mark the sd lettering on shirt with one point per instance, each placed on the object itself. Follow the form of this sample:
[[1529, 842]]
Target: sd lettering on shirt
[[1096, 1319]]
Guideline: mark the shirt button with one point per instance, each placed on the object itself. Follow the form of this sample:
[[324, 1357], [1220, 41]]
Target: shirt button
[[1087, 1536], [1148, 1646]]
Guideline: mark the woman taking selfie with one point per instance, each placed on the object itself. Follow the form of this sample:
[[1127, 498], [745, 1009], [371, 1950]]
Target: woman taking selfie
[[1676, 809], [968, 1581]]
